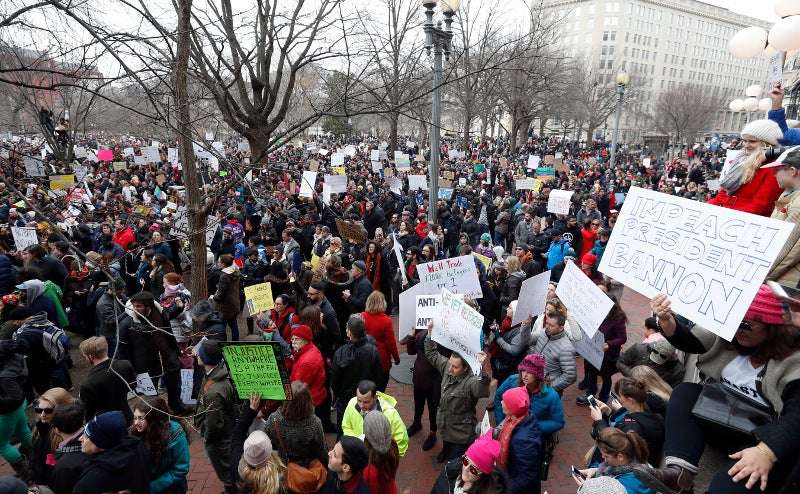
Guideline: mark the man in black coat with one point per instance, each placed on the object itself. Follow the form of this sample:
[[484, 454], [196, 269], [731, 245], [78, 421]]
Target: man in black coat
[[116, 462], [70, 460], [103, 390], [356, 297], [52, 269], [352, 363]]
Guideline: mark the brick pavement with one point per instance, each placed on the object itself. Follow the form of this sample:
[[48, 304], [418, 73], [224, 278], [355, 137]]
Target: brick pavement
[[418, 469]]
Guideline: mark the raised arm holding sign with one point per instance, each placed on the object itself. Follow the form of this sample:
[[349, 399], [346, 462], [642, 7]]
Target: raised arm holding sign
[[458, 327]]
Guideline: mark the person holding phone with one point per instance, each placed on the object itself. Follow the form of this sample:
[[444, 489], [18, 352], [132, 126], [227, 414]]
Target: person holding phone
[[777, 114], [623, 454]]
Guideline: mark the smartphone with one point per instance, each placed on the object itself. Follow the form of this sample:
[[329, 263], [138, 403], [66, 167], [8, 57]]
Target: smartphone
[[577, 472], [592, 401], [785, 293]]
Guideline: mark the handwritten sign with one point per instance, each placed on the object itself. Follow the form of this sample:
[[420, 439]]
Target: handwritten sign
[[172, 155], [258, 298], [646, 162], [34, 167], [80, 172], [337, 159], [24, 236], [591, 348], [532, 297], [375, 155], [426, 308], [445, 193], [307, 184], [187, 383], [559, 201], [583, 299], [416, 182], [336, 183], [457, 274], [775, 70], [533, 162], [457, 326], [709, 260], [60, 182], [119, 166], [408, 306], [144, 385], [257, 368], [525, 184], [150, 154]]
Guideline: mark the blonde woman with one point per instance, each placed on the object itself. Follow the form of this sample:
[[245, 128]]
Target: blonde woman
[[744, 184], [45, 438], [260, 469], [658, 391]]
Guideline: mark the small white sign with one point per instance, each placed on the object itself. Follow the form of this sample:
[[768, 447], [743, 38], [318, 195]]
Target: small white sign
[[559, 201]]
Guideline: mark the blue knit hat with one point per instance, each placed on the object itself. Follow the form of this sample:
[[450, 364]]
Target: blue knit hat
[[210, 353], [107, 430]]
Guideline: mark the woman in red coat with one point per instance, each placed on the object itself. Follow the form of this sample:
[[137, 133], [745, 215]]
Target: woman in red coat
[[379, 326], [744, 185], [589, 235], [309, 367]]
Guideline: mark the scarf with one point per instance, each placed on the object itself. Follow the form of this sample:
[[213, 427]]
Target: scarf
[[508, 426], [374, 261]]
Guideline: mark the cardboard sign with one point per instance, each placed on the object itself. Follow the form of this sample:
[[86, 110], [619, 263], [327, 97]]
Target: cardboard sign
[[336, 183], [257, 368], [710, 261], [307, 184], [458, 326], [144, 385], [561, 166], [258, 298], [351, 231], [532, 297], [187, 383], [587, 303], [417, 182], [34, 167], [59, 182], [24, 236], [559, 201], [408, 307], [457, 274], [591, 348], [313, 165], [549, 159]]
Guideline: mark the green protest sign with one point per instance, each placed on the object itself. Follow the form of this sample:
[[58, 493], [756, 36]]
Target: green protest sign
[[257, 367]]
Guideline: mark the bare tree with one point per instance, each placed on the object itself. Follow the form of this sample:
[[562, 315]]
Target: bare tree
[[684, 111]]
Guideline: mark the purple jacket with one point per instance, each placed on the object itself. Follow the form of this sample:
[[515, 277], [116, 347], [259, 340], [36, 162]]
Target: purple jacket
[[616, 336]]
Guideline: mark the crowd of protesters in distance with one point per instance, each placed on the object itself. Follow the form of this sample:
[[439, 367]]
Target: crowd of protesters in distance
[[111, 267]]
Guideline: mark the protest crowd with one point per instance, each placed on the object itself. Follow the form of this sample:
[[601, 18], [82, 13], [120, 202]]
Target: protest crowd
[[314, 249]]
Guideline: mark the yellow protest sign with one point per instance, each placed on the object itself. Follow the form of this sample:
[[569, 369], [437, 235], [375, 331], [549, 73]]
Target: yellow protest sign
[[59, 182], [537, 185], [258, 298], [485, 260], [339, 170], [314, 261]]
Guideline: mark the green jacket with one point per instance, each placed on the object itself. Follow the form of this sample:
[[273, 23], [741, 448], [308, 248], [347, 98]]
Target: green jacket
[[353, 422], [456, 419], [216, 405], [54, 293]]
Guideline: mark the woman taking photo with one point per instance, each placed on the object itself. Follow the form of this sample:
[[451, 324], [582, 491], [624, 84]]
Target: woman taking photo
[[379, 326], [45, 438], [760, 370], [744, 185], [624, 455], [167, 441]]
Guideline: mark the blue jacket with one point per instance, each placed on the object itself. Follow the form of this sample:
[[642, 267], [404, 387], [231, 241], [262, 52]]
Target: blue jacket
[[555, 254], [598, 249], [790, 136], [8, 276], [524, 458], [633, 485], [170, 475], [546, 406]]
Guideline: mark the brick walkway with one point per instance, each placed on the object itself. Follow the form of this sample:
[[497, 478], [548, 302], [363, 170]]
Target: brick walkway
[[418, 469]]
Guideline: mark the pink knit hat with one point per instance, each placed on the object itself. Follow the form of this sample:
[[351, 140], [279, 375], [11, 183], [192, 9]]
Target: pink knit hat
[[517, 401], [484, 452], [534, 364], [766, 307]]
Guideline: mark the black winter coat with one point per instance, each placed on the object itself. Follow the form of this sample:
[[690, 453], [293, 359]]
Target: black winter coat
[[125, 467], [352, 363], [103, 390]]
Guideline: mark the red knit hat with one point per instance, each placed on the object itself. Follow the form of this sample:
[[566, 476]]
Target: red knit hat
[[517, 401], [589, 259], [766, 307], [304, 332]]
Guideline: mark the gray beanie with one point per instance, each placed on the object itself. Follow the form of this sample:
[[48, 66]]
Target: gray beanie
[[378, 431], [602, 485]]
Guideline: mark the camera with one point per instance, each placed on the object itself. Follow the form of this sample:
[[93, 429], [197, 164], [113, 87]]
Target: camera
[[772, 153]]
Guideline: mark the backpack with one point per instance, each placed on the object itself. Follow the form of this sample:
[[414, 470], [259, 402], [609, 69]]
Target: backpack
[[56, 343]]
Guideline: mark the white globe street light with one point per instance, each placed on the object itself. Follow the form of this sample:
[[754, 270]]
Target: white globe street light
[[748, 42], [736, 105], [449, 5], [785, 8], [764, 104], [750, 104], [785, 34]]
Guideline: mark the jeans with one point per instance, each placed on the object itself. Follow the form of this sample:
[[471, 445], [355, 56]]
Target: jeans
[[234, 324], [591, 375], [687, 436], [14, 424], [219, 453]]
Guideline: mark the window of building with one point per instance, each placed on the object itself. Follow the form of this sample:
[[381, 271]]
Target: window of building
[[610, 64], [613, 36], [605, 35]]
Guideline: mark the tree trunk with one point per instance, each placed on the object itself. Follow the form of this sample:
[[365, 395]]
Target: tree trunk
[[393, 124], [590, 133], [423, 134], [198, 283]]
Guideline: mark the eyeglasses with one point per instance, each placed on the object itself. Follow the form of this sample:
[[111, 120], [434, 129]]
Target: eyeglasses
[[472, 468], [46, 411]]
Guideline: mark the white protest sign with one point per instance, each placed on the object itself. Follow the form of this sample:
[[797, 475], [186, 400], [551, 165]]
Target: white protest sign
[[398, 252], [80, 172], [416, 182], [79, 152], [646, 162], [710, 261], [775, 70], [187, 382], [374, 155], [243, 146], [591, 349], [533, 162], [377, 166], [403, 162], [172, 155], [137, 160], [485, 423], [408, 307], [525, 184], [337, 159], [34, 167], [532, 297], [559, 201], [24, 236], [585, 302], [150, 154], [427, 307], [457, 274], [307, 184], [336, 183], [395, 185], [458, 327], [144, 385], [350, 151]]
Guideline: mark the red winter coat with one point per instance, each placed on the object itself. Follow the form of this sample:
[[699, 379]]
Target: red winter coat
[[125, 237], [309, 367], [589, 236], [757, 196], [379, 326]]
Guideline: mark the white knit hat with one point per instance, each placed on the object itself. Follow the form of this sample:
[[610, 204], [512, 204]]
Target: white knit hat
[[763, 130], [602, 485]]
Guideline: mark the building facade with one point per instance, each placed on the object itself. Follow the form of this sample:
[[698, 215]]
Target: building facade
[[661, 44]]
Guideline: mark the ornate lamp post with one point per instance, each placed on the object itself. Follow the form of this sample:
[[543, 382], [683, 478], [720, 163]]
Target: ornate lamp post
[[623, 79]]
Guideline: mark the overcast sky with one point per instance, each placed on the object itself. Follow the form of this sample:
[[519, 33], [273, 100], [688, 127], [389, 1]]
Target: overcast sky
[[763, 9]]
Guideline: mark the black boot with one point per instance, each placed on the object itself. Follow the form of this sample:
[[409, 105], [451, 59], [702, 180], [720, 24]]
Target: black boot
[[672, 479]]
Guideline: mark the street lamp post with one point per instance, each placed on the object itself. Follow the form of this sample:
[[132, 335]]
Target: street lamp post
[[622, 81], [438, 40]]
